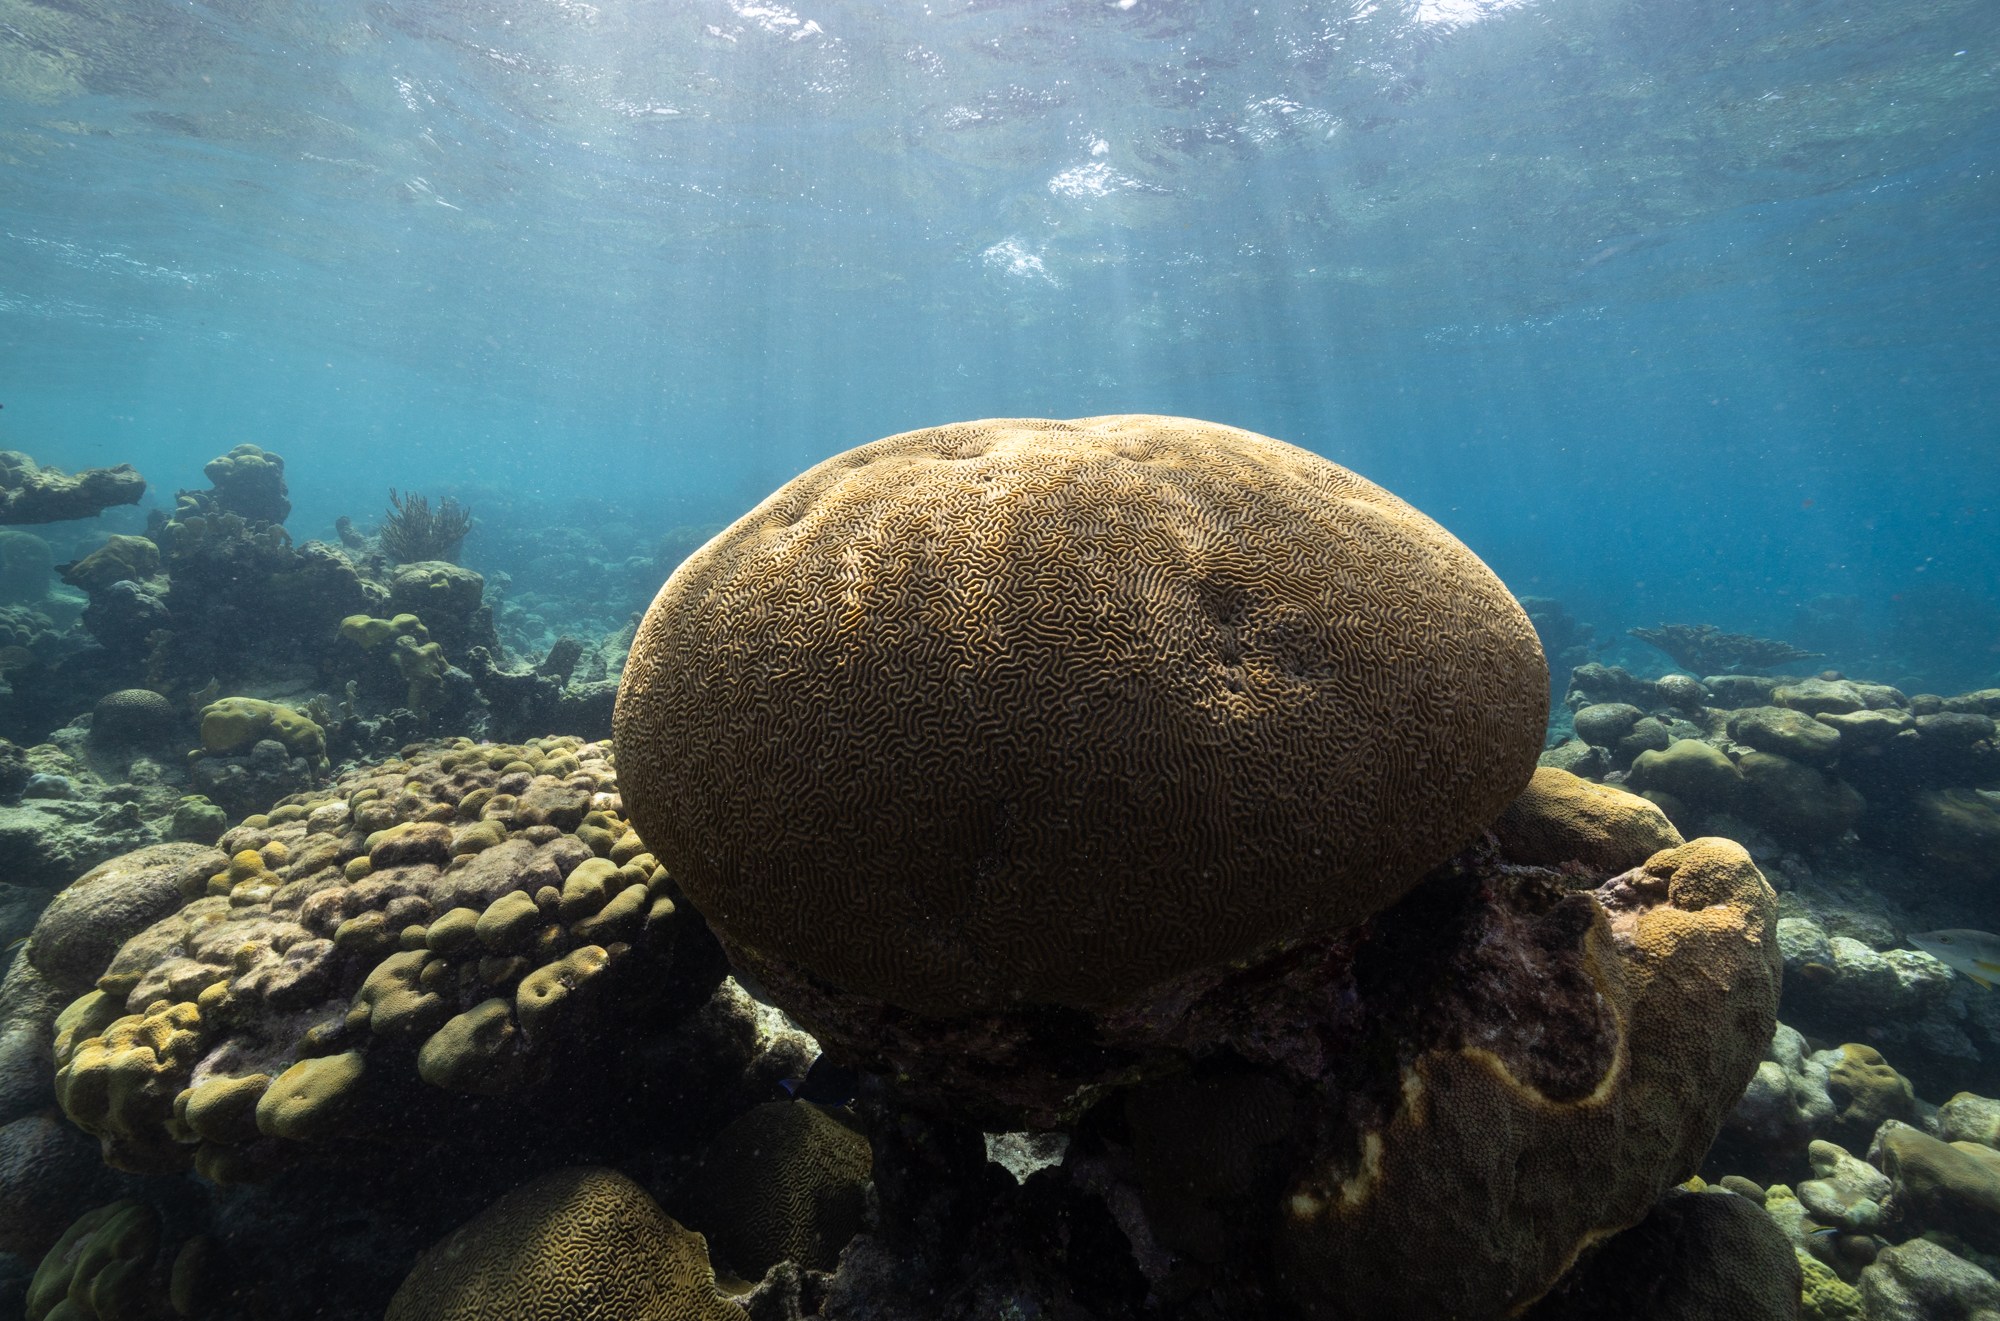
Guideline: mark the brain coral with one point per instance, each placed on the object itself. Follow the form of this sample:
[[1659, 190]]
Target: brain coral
[[573, 1245], [83, 926], [785, 1182], [458, 916], [1051, 713], [132, 717]]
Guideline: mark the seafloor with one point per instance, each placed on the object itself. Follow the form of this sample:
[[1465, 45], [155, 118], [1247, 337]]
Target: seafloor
[[380, 965]]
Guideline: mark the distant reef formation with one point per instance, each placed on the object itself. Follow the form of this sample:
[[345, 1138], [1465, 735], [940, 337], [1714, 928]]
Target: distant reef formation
[[1706, 649], [1813, 764], [216, 600], [30, 493]]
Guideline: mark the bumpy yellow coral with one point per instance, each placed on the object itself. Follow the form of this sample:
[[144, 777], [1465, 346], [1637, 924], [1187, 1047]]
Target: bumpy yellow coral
[[371, 633], [118, 1080], [419, 660], [100, 1270], [1826, 1297], [411, 909], [306, 1101], [234, 723], [1562, 817], [422, 666]]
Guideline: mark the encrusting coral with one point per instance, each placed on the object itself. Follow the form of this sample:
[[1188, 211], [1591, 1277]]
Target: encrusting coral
[[893, 728], [451, 917]]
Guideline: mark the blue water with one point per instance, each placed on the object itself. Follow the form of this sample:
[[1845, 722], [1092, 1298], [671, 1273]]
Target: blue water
[[1673, 312]]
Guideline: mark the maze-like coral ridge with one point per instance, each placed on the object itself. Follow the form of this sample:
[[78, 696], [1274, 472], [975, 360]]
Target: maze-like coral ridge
[[1049, 712]]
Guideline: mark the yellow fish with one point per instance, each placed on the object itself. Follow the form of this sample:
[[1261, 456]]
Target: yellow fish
[[1974, 953]]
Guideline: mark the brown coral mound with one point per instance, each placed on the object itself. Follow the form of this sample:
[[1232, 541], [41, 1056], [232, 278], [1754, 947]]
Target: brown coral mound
[[574, 1245], [1030, 712], [1500, 1161]]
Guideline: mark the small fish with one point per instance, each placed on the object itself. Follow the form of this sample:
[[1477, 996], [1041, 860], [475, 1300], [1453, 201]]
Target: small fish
[[1974, 953], [14, 944], [825, 1083], [1826, 1233]]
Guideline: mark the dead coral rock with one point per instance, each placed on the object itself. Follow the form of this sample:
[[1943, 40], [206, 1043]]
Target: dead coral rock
[[1495, 1169], [250, 482], [49, 1175], [28, 1009], [1691, 770], [1959, 830], [1786, 732], [1801, 806], [48, 842], [1953, 1186]]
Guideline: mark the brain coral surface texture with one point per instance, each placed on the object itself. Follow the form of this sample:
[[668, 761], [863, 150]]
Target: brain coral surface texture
[[1033, 712], [573, 1245]]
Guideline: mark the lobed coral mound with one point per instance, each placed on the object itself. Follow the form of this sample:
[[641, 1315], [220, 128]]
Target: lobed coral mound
[[451, 919]]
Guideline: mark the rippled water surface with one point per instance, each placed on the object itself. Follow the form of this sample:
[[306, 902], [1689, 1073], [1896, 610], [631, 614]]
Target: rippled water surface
[[1672, 310]]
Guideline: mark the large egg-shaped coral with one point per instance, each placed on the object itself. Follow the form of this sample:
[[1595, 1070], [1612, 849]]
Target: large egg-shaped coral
[[1034, 713]]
